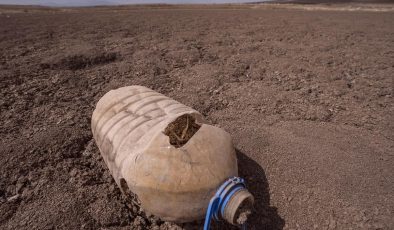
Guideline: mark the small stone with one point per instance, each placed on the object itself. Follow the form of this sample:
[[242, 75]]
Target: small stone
[[138, 221], [13, 198], [73, 172], [89, 149], [27, 193], [155, 220]]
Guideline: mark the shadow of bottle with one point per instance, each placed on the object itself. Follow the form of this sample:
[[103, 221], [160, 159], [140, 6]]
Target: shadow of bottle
[[264, 215]]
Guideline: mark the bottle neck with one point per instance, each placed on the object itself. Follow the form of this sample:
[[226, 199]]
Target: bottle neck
[[238, 207]]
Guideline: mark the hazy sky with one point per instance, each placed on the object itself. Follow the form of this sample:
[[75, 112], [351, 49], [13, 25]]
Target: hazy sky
[[110, 2]]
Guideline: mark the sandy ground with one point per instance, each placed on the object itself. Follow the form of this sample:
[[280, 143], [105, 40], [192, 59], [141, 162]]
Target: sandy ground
[[306, 95]]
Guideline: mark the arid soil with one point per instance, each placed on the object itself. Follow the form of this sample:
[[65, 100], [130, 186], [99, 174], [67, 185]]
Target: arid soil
[[306, 95]]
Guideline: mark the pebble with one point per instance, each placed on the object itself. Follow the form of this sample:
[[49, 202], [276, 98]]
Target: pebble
[[73, 172], [138, 221], [13, 198]]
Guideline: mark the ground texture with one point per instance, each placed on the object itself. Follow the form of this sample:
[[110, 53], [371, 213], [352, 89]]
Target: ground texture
[[306, 95]]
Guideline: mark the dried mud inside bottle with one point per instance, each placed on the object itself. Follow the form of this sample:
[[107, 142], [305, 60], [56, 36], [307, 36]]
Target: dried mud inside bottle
[[243, 212], [181, 130]]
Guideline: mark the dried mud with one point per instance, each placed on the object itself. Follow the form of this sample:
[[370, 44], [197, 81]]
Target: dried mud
[[181, 130], [306, 95]]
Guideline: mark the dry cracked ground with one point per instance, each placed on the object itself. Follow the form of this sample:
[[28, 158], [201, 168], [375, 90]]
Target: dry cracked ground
[[307, 96]]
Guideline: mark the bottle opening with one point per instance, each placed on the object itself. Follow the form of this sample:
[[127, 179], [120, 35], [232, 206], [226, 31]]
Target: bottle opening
[[181, 130], [239, 207], [243, 211]]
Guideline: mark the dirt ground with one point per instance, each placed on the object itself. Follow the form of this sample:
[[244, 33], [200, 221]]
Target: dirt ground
[[306, 94]]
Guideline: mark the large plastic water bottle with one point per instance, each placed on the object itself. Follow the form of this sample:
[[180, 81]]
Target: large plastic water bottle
[[166, 154]]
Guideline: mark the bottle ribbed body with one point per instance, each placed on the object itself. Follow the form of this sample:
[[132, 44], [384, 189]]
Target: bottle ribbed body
[[174, 183]]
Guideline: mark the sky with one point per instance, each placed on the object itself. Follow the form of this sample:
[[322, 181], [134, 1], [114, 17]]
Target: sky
[[110, 2]]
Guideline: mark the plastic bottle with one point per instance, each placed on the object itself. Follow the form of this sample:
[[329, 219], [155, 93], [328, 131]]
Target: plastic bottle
[[165, 153]]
